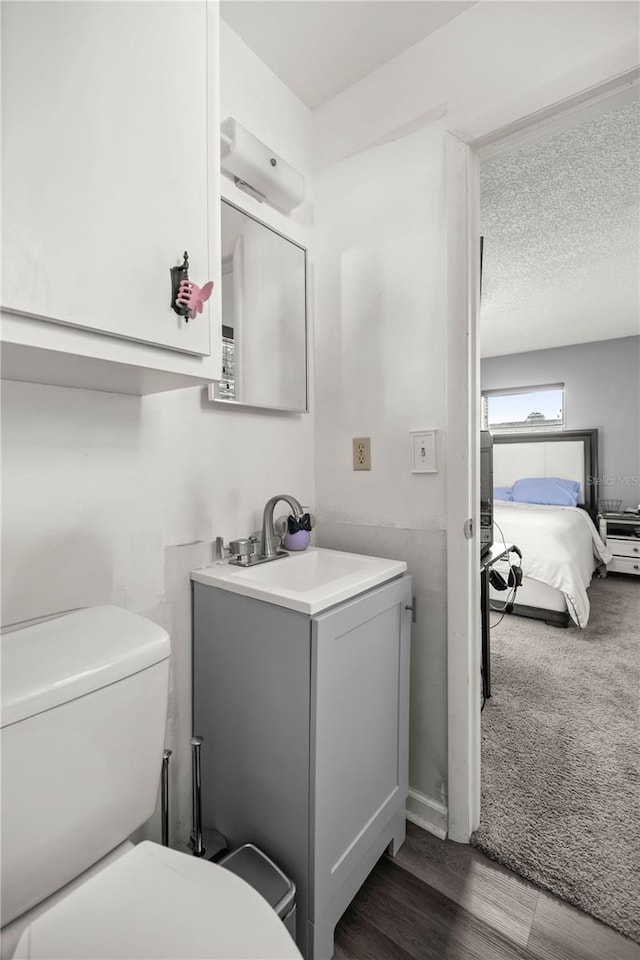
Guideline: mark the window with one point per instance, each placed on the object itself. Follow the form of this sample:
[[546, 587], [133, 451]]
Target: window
[[523, 409]]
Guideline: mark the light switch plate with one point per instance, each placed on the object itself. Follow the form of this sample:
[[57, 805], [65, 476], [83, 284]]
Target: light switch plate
[[423, 451]]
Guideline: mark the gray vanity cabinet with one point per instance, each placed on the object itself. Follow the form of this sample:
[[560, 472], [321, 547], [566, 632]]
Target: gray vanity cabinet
[[305, 727]]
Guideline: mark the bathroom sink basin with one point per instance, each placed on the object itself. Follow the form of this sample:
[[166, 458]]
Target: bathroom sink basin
[[309, 581]]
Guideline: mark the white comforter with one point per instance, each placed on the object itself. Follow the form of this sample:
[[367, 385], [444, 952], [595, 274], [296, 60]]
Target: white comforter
[[560, 546]]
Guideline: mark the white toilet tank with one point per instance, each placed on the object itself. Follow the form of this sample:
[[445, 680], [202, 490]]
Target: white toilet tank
[[84, 700]]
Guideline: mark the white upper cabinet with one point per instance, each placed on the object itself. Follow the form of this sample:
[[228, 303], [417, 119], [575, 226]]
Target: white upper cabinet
[[108, 176]]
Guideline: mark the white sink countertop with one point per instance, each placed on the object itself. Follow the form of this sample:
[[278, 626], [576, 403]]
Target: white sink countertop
[[308, 581]]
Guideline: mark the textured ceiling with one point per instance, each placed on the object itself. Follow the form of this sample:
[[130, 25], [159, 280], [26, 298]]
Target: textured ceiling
[[561, 221]]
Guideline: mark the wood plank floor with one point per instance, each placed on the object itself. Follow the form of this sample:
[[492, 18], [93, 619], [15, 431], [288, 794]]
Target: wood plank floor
[[439, 900]]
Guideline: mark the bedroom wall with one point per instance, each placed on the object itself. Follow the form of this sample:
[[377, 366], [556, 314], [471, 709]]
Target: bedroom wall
[[113, 499], [381, 337], [602, 389]]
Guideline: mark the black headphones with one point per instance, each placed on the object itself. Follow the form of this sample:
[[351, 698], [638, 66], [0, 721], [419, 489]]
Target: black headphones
[[514, 578], [513, 581]]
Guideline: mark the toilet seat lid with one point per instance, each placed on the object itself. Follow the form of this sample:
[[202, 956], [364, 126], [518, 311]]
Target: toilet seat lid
[[157, 903]]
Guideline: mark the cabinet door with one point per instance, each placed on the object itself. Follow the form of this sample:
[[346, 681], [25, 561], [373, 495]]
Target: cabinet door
[[104, 164], [360, 723]]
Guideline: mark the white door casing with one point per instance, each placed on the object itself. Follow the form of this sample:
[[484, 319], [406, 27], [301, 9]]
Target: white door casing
[[463, 414], [463, 485]]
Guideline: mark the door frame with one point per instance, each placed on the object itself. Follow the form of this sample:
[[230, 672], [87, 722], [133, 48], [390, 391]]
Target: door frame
[[462, 179], [463, 485]]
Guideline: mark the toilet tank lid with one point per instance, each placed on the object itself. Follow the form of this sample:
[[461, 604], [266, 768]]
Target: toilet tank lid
[[57, 660]]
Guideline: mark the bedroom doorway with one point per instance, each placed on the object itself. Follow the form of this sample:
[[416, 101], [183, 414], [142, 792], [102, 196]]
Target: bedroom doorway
[[463, 216], [598, 122]]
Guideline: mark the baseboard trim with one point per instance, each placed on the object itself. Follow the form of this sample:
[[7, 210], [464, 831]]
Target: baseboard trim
[[427, 813]]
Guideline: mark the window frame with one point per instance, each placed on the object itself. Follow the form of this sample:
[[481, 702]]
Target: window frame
[[522, 427]]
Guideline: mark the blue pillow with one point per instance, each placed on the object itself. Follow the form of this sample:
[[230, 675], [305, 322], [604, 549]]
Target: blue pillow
[[503, 493], [547, 490]]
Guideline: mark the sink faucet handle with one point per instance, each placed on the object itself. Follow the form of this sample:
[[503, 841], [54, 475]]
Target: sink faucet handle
[[220, 552], [254, 540], [240, 548]]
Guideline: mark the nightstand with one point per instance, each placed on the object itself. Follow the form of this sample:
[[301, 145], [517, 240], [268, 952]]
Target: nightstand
[[621, 533]]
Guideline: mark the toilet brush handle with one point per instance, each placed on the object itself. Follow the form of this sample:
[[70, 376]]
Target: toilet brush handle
[[196, 833], [165, 798]]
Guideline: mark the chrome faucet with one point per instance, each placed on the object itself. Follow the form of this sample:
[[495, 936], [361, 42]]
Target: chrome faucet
[[268, 538]]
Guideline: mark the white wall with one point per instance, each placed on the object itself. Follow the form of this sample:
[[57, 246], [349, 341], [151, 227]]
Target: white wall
[[380, 334], [381, 254], [493, 64], [100, 489], [260, 101]]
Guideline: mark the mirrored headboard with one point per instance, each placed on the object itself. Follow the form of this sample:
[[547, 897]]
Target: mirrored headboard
[[570, 454]]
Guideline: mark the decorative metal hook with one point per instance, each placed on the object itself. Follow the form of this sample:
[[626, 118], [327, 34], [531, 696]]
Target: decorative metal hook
[[187, 298], [178, 274]]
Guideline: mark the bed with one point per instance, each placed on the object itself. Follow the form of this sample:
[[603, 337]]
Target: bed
[[560, 545]]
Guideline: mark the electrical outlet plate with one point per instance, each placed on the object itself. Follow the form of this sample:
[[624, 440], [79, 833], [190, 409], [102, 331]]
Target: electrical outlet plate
[[362, 453]]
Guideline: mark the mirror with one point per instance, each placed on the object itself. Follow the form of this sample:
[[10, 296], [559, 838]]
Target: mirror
[[264, 315]]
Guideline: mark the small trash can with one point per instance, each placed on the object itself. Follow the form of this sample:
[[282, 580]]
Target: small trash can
[[254, 866]]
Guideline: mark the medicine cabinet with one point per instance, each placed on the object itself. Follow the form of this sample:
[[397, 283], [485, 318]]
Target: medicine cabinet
[[264, 316]]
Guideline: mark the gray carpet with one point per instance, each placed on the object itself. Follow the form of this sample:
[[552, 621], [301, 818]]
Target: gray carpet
[[560, 748]]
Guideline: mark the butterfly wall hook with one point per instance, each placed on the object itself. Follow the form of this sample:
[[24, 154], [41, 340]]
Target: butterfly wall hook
[[187, 298], [192, 297]]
